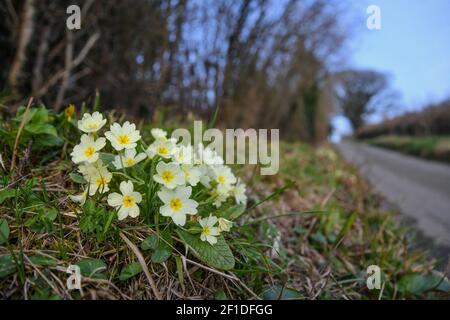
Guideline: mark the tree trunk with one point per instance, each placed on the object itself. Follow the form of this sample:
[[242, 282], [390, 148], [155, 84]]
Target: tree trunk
[[24, 36]]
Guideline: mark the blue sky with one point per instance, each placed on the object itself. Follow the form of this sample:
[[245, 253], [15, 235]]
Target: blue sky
[[413, 47]]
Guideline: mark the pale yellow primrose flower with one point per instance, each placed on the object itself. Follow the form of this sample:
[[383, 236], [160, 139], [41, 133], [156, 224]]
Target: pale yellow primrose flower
[[123, 137], [162, 147], [191, 173], [177, 204], [184, 155], [97, 175], [69, 111], [225, 225], [238, 192], [91, 122], [87, 150], [169, 175], [221, 194], [158, 133], [223, 175], [80, 198], [205, 178], [128, 159], [209, 232], [127, 201], [205, 155]]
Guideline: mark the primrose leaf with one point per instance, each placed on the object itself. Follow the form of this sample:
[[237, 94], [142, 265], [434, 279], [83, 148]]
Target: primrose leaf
[[4, 231], [130, 270], [217, 256], [6, 194], [150, 243], [416, 283], [43, 260], [92, 268], [277, 292], [7, 266], [77, 178]]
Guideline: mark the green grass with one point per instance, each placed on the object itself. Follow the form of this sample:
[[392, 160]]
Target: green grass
[[310, 232], [429, 147]]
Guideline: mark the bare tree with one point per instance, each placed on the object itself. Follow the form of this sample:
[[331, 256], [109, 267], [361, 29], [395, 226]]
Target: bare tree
[[361, 93]]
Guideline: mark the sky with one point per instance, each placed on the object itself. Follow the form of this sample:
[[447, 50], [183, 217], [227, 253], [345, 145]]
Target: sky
[[413, 47]]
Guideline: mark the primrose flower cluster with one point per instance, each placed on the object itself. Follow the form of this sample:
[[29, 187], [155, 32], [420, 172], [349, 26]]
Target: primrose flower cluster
[[178, 179]]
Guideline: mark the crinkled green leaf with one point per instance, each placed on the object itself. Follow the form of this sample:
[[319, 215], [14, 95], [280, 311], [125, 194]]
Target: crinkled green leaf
[[150, 243], [92, 268], [43, 260], [161, 247], [416, 283], [6, 194], [107, 158], [161, 254], [7, 266], [130, 270], [277, 292], [218, 255], [77, 178], [41, 128], [4, 231], [50, 141]]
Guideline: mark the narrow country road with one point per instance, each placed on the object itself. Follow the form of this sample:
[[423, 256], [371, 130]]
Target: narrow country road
[[420, 189]]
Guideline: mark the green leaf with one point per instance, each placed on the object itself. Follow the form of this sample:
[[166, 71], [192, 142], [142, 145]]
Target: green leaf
[[77, 178], [161, 254], [41, 128], [43, 260], [130, 271], [89, 207], [6, 194], [50, 141], [218, 256], [7, 266], [150, 243], [277, 292], [107, 158], [161, 247], [40, 115], [4, 231], [92, 268], [416, 283], [43, 221]]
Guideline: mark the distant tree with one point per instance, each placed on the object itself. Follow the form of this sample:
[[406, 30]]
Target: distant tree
[[361, 93]]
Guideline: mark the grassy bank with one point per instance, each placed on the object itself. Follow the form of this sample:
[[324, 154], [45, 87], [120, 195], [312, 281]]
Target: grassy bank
[[309, 232], [429, 147]]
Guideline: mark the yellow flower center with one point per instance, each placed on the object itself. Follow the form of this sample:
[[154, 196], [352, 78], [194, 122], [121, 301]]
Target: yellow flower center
[[129, 162], [92, 125], [100, 181], [176, 204], [206, 230], [123, 139], [167, 176], [163, 150], [221, 179], [89, 152], [128, 201]]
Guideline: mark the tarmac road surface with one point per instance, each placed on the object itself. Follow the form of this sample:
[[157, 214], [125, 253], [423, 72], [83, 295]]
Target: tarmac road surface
[[419, 188]]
